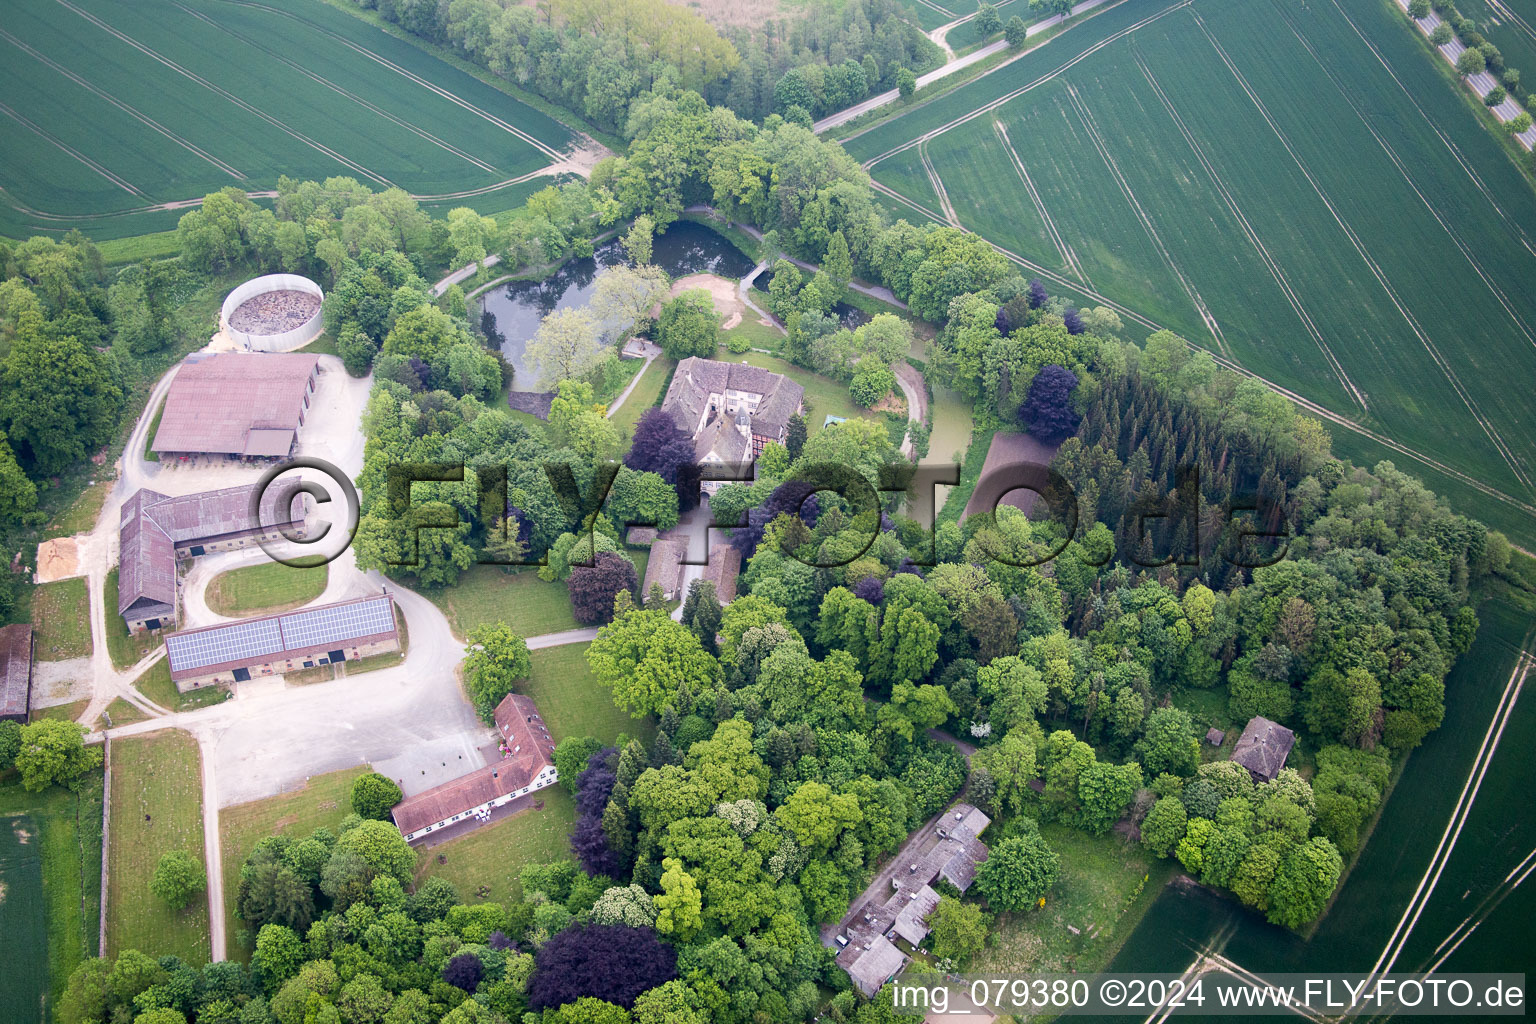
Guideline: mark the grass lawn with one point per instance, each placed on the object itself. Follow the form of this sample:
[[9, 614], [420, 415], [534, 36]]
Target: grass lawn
[[156, 685], [324, 801], [494, 855], [491, 593], [150, 455], [1104, 887], [82, 514], [61, 620], [323, 345], [265, 588], [157, 807], [62, 712], [823, 395], [119, 712], [572, 701], [126, 649], [1208, 710], [644, 396], [68, 828], [757, 335]]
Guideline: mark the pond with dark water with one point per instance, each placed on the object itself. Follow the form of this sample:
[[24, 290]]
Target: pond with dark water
[[848, 315], [511, 312]]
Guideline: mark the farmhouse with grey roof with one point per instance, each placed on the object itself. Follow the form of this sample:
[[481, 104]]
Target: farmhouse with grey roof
[[1263, 748], [731, 410], [155, 530], [949, 847]]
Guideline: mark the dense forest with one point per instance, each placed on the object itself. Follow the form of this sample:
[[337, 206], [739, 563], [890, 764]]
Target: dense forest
[[597, 58]]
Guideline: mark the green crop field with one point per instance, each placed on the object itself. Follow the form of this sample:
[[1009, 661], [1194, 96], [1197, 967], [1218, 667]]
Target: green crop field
[[21, 920], [1292, 187], [113, 110]]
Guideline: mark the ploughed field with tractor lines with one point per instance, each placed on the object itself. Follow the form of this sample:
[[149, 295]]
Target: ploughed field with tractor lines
[[1292, 187], [115, 114]]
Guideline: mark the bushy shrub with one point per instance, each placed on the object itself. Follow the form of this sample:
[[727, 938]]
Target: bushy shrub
[[871, 385]]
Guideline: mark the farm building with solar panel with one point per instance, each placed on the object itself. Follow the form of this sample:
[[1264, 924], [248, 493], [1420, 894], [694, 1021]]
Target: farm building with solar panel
[[268, 645]]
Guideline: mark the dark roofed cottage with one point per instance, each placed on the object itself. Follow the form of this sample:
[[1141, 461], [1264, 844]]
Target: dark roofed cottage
[[1263, 748]]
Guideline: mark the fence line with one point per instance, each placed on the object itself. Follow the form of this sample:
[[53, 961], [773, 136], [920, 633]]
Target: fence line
[[106, 821]]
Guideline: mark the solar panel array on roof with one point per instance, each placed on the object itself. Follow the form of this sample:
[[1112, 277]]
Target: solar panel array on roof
[[320, 626], [255, 640], [240, 641]]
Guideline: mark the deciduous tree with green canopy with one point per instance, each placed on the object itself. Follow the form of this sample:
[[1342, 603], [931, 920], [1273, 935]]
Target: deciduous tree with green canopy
[[816, 816], [1304, 882], [1016, 32], [53, 752], [958, 929], [689, 325], [1018, 872], [381, 848], [374, 795], [568, 344], [1169, 743], [178, 878], [1011, 763], [1163, 827], [425, 333], [643, 657], [497, 658], [677, 906], [59, 398]]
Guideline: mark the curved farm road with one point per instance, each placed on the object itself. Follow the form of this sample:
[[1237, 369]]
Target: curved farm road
[[953, 64], [410, 720]]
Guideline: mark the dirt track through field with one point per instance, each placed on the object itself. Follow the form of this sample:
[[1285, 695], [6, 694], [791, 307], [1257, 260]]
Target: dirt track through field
[[938, 187], [1097, 138], [132, 112], [1253, 238], [227, 95], [1370, 262], [1067, 255], [419, 132], [54, 140], [406, 73]]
